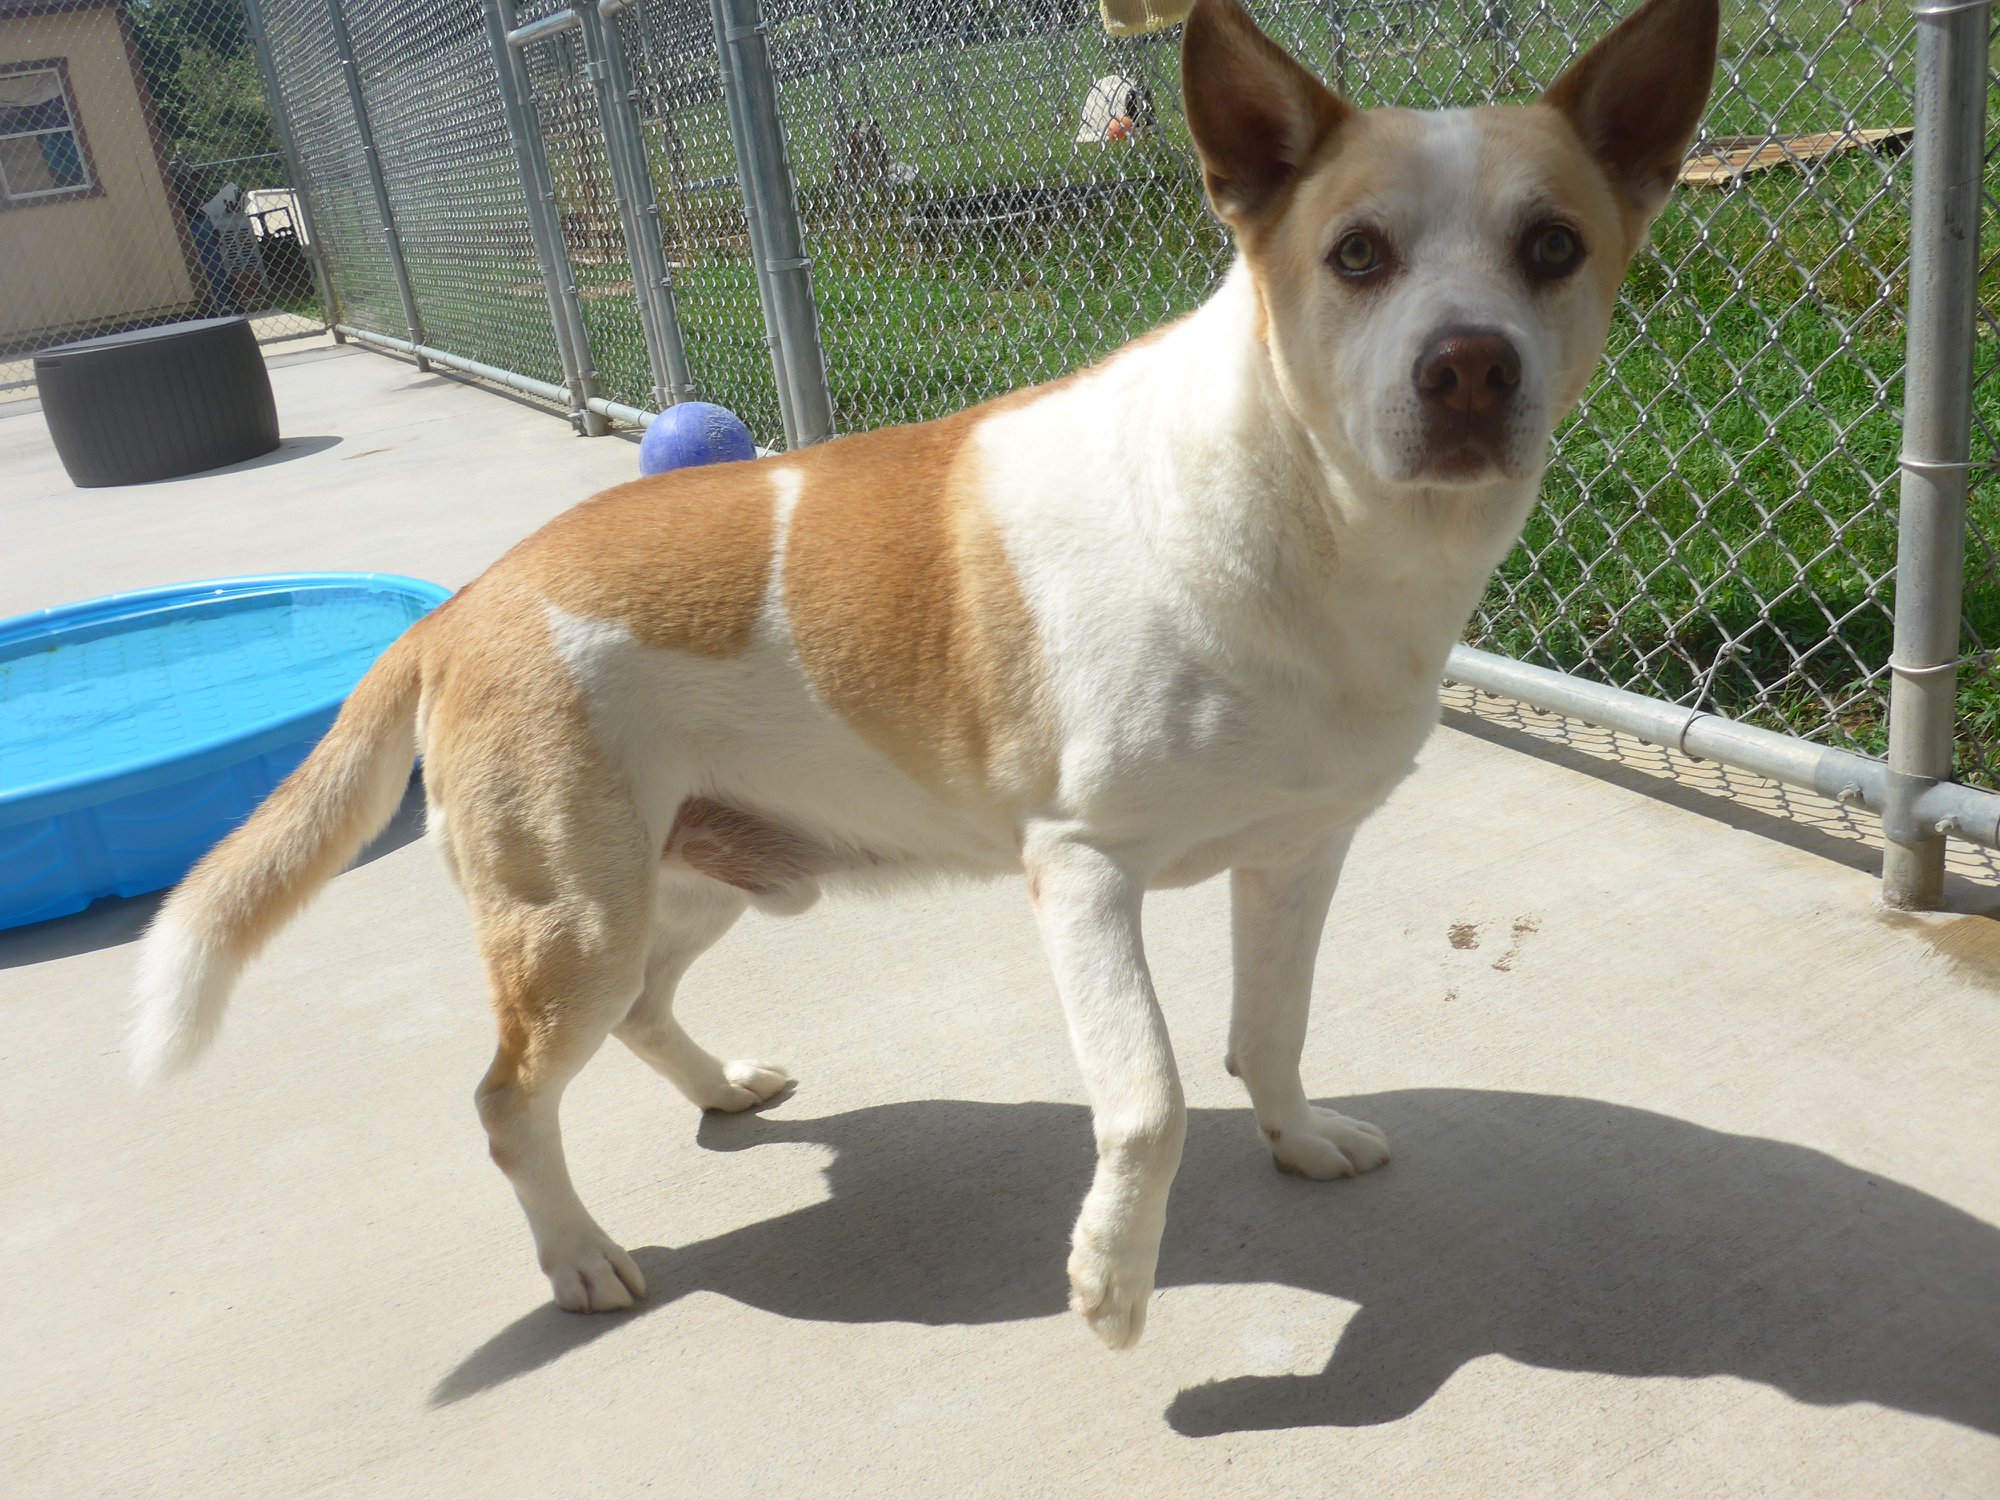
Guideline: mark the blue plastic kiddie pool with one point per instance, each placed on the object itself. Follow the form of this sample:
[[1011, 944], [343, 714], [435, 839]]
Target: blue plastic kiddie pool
[[137, 729]]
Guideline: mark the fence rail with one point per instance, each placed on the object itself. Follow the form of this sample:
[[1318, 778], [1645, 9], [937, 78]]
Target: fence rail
[[837, 214]]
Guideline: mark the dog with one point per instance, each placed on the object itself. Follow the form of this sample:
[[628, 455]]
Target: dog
[[1182, 613]]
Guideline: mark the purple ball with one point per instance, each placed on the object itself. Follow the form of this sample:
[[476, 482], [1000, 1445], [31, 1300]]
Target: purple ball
[[691, 434]]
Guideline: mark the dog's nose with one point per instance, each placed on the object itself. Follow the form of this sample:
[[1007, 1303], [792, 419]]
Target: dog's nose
[[1468, 369]]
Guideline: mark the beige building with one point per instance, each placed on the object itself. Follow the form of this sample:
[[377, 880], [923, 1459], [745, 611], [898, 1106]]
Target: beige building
[[89, 232]]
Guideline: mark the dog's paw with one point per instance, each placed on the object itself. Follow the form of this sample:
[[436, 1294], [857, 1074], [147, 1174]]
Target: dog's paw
[[749, 1085], [597, 1278], [1110, 1291], [1325, 1145]]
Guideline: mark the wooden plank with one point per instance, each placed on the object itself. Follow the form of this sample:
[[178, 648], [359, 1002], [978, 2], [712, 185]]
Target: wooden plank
[[1727, 160]]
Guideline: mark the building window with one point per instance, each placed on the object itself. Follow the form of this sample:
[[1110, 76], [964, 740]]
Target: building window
[[41, 152]]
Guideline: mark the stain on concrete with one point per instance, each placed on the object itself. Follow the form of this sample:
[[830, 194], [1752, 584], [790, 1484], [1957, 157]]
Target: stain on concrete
[[1970, 945], [1523, 928]]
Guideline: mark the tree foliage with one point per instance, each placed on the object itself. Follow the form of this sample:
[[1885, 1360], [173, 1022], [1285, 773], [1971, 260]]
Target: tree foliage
[[207, 88]]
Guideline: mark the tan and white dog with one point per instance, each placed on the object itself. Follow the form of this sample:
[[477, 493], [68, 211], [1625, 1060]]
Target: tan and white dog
[[1182, 613]]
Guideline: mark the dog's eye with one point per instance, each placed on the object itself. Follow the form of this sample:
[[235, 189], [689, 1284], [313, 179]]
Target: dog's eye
[[1553, 250], [1359, 254]]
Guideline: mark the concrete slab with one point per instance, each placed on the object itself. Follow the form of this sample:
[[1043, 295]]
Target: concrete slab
[[382, 468], [1696, 1189]]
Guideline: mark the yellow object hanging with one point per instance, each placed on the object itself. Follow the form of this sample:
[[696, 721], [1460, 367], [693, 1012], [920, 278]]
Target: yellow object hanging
[[1141, 17]]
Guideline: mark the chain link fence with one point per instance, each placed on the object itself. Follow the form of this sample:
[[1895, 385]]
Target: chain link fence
[[704, 225], [563, 101], [989, 194], [142, 178]]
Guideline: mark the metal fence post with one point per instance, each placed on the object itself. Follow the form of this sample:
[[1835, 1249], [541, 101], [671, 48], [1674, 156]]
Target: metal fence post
[[766, 171], [638, 202], [544, 223], [732, 101], [350, 70], [1947, 156], [267, 68]]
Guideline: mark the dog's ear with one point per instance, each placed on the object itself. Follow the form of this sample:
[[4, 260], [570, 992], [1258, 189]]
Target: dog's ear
[[1257, 116], [1636, 97]]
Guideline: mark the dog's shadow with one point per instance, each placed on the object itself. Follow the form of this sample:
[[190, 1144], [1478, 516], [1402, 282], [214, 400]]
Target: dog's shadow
[[1565, 1233]]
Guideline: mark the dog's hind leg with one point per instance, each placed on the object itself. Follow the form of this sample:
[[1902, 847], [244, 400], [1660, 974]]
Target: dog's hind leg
[[693, 912], [560, 879], [1278, 915], [558, 989], [519, 1100]]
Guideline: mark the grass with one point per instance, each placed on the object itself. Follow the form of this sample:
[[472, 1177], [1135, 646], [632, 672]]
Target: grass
[[1718, 522]]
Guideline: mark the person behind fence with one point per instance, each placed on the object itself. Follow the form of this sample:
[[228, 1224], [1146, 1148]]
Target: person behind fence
[[236, 248], [212, 295]]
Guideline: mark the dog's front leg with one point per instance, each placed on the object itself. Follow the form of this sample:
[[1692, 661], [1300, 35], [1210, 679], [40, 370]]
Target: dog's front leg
[[1278, 914], [1088, 908]]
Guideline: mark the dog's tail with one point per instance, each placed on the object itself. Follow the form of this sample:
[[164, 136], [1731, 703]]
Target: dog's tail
[[253, 881]]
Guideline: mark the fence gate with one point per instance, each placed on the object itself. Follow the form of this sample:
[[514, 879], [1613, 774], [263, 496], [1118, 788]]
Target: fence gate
[[608, 103], [683, 118]]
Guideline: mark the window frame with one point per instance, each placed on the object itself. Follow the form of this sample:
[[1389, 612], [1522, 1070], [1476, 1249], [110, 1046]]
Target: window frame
[[92, 186]]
